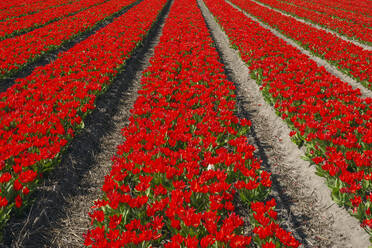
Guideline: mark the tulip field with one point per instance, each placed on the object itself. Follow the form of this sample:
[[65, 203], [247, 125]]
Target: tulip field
[[185, 123]]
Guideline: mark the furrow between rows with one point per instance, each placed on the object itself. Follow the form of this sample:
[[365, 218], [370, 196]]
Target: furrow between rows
[[304, 201], [68, 191], [22, 54]]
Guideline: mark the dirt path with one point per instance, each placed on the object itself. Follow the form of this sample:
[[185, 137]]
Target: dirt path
[[305, 205], [321, 62], [59, 216], [355, 42]]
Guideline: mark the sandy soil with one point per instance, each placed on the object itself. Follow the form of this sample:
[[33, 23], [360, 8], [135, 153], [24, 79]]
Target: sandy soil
[[59, 216], [346, 38], [305, 205], [321, 62]]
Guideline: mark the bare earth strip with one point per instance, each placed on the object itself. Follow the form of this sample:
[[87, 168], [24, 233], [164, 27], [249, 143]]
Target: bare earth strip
[[320, 62], [304, 199], [59, 216], [344, 37]]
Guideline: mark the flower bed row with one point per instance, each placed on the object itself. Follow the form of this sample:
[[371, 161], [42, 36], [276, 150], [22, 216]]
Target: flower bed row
[[337, 13], [20, 51], [15, 26], [15, 3], [349, 58], [185, 156], [325, 114], [30, 8], [41, 113], [359, 7], [358, 31]]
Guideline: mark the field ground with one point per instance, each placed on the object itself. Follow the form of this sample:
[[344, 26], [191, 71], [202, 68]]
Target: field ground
[[57, 215]]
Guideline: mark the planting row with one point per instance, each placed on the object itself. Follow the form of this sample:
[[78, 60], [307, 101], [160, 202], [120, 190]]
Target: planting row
[[19, 51], [359, 7], [351, 59], [12, 27], [325, 114], [185, 157], [41, 113], [30, 8], [359, 31], [336, 13], [15, 3]]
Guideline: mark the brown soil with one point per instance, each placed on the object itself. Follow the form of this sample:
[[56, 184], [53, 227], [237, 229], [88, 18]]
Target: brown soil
[[355, 42], [320, 62], [304, 201], [59, 215]]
